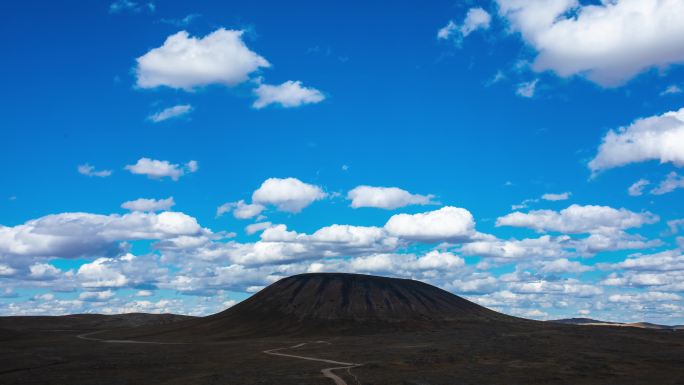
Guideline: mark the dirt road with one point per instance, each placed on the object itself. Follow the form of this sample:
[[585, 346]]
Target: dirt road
[[327, 372], [87, 337]]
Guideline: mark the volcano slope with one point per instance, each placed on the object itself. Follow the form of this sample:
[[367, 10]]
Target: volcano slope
[[378, 330], [323, 304]]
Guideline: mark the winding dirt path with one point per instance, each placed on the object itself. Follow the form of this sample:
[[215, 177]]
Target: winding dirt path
[[87, 337], [327, 372]]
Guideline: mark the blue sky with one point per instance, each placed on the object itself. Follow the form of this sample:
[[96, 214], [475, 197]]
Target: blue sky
[[396, 139]]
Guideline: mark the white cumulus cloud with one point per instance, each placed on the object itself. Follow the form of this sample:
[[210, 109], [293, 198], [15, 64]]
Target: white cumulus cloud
[[563, 265], [578, 219], [143, 204], [385, 197], [256, 227], [289, 94], [187, 62], [288, 194], [446, 224], [43, 271], [96, 296], [73, 235], [609, 43], [99, 274], [241, 210], [157, 169], [476, 18], [6, 271], [658, 138], [533, 248]]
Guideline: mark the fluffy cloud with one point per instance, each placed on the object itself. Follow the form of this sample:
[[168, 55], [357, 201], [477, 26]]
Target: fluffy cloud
[[193, 261], [672, 182], [555, 248], [658, 138], [6, 271], [43, 271], [96, 296], [241, 210], [474, 284], [163, 306], [126, 270], [556, 197], [72, 235], [186, 62], [446, 224], [563, 265], [278, 245], [335, 240], [89, 170], [476, 18], [547, 197], [522, 292], [607, 239], [609, 43], [143, 204], [98, 274], [289, 94], [641, 297], [289, 194], [256, 227], [406, 264], [44, 297], [524, 283], [354, 236], [170, 113], [637, 188], [578, 219], [568, 287], [533, 248], [670, 260], [663, 271], [385, 197], [157, 169]]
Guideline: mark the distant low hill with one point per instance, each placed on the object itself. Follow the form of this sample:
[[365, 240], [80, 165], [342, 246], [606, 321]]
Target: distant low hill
[[593, 322], [89, 321]]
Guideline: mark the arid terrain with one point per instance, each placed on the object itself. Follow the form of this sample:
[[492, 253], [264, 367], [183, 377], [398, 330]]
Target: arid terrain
[[335, 329]]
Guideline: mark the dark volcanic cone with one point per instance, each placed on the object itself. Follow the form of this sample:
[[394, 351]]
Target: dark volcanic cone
[[358, 298], [325, 303]]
